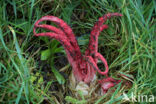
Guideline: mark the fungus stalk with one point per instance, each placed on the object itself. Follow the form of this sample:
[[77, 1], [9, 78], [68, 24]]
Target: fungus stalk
[[84, 67]]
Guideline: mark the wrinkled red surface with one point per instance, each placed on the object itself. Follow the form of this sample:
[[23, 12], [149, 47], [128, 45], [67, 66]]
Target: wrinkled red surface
[[84, 66]]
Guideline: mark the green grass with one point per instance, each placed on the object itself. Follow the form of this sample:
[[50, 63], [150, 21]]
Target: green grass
[[129, 45]]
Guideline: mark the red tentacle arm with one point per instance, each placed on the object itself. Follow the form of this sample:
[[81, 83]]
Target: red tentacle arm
[[91, 61], [64, 28], [98, 27], [65, 36], [68, 48], [56, 33], [93, 55]]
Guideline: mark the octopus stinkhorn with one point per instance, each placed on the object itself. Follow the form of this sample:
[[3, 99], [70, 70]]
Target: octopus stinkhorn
[[84, 67]]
